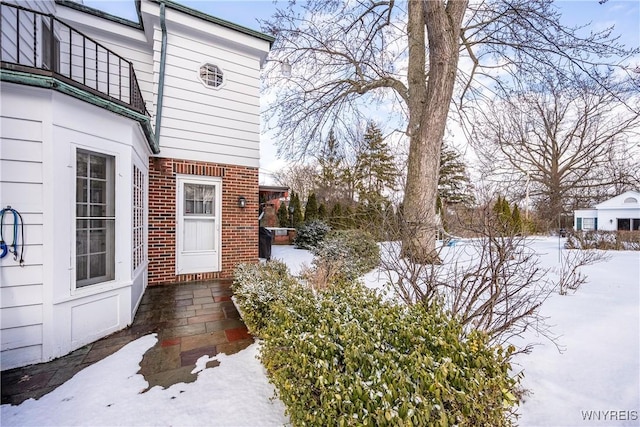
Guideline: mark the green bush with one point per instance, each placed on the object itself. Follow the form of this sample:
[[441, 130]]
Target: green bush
[[348, 254], [311, 234], [343, 356], [256, 287], [347, 358]]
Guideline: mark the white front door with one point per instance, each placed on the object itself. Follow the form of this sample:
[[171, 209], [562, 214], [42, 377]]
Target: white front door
[[198, 224]]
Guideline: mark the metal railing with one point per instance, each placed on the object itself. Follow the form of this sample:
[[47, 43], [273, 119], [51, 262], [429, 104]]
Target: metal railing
[[40, 43]]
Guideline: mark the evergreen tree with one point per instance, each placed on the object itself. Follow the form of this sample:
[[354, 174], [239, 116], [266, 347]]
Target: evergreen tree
[[335, 218], [375, 167], [311, 208], [508, 221], [497, 207], [283, 216], [330, 161], [506, 211], [516, 220], [454, 185], [348, 218], [322, 212], [297, 210]]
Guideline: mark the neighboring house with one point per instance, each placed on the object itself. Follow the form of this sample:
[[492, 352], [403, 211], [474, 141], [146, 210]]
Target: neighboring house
[[131, 149], [618, 213], [271, 197]]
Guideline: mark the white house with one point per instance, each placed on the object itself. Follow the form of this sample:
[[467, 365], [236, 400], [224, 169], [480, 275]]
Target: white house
[[131, 150], [618, 213]]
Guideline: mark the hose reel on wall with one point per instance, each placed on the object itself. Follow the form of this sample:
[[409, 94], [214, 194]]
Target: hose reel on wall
[[16, 226]]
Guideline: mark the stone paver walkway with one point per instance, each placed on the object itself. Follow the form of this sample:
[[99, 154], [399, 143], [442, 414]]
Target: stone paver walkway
[[191, 320]]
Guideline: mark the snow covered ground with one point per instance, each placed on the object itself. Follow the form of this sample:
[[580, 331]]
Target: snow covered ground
[[235, 393], [595, 377]]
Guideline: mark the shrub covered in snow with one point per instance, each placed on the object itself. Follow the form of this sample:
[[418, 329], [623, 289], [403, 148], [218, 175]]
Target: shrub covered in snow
[[256, 287], [343, 356], [311, 234], [343, 255], [606, 240]]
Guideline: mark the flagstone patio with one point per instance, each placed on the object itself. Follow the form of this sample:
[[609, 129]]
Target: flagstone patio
[[191, 320]]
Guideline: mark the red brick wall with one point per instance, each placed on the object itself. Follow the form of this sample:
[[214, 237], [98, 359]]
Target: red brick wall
[[239, 226]]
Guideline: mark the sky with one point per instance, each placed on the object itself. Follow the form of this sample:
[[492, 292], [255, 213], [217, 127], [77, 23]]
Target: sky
[[624, 14], [242, 12], [594, 377]]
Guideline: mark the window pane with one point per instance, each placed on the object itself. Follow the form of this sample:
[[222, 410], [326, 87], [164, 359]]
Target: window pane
[[189, 192], [98, 241], [81, 268], [82, 210], [199, 199], [81, 242], [98, 167], [81, 163], [98, 210], [98, 223], [81, 190], [98, 191], [97, 265]]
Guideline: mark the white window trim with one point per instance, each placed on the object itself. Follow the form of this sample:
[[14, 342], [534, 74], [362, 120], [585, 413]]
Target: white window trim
[[145, 227], [98, 287], [217, 251], [222, 71]]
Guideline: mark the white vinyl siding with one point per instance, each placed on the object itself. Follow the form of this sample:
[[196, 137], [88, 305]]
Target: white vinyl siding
[[18, 46], [134, 49], [221, 125], [8, 36], [21, 187], [44, 6]]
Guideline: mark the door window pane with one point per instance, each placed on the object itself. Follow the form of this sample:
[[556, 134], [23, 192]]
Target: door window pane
[[198, 199]]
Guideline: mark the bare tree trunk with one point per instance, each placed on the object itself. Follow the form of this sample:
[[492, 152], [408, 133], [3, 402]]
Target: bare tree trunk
[[429, 101]]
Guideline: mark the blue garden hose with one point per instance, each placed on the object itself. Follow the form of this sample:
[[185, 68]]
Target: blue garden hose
[[13, 247]]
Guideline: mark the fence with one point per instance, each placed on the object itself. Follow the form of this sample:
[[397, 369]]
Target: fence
[[34, 41]]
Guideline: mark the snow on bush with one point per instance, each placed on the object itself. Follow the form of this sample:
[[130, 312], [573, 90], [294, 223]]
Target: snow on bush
[[256, 287], [606, 240], [311, 234], [343, 255], [343, 356]]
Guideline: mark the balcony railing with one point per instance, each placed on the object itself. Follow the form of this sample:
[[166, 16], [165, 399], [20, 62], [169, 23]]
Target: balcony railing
[[42, 44]]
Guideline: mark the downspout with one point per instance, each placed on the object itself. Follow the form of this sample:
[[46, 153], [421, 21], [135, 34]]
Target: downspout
[[163, 60]]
